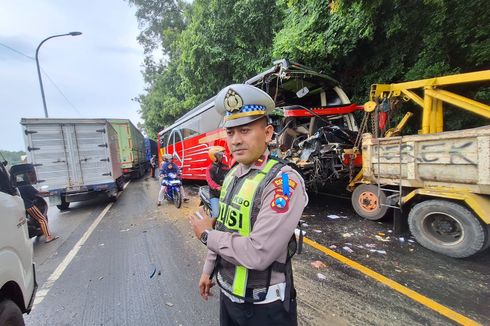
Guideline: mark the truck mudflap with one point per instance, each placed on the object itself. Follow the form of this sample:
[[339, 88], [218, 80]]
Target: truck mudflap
[[480, 204], [34, 290]]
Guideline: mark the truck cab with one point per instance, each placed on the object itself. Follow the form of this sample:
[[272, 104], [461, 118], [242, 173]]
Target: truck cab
[[17, 271]]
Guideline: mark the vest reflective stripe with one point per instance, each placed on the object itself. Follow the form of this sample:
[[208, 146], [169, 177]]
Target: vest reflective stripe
[[228, 179], [239, 219]]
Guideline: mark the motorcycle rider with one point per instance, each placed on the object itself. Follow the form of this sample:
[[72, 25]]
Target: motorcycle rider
[[168, 167], [215, 174], [29, 194]]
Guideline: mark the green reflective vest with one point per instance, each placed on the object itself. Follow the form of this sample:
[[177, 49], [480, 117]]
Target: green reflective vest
[[236, 213]]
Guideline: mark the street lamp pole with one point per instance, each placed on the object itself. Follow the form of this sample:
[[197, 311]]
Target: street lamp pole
[[39, 69]]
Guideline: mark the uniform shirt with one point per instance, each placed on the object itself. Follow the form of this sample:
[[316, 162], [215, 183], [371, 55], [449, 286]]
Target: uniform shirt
[[270, 234], [28, 194]]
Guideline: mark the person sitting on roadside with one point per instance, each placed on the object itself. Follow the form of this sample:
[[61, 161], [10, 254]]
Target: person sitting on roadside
[[29, 194], [215, 174]]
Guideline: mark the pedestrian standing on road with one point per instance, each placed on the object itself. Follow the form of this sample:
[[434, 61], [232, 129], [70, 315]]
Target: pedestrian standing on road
[[215, 175], [29, 194], [153, 165], [261, 202]]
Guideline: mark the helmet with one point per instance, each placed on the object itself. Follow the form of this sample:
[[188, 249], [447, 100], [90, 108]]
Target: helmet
[[214, 151], [167, 157]]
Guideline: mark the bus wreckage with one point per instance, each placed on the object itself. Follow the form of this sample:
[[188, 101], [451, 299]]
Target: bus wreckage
[[313, 121]]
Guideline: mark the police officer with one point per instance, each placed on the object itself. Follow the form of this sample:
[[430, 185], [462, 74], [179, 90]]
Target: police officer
[[261, 202]]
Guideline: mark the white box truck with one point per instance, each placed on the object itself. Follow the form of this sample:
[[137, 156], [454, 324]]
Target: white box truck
[[75, 159], [17, 272]]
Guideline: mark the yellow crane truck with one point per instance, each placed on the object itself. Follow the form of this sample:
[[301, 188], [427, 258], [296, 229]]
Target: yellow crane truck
[[439, 181]]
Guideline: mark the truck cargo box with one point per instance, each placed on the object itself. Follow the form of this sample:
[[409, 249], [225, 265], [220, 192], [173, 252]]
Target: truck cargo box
[[448, 159], [73, 157], [132, 149]]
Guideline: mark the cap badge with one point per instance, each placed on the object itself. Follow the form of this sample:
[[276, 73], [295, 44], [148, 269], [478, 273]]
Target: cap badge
[[233, 101]]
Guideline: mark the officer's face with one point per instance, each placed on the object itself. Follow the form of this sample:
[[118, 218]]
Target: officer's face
[[248, 142]]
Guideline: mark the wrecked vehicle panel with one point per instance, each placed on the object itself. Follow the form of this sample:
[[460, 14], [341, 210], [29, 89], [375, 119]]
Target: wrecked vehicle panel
[[314, 123]]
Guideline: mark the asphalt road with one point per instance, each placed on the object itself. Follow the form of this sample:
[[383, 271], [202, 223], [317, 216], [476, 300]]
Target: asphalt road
[[141, 265]]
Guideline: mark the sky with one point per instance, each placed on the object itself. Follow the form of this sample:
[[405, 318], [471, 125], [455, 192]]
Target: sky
[[97, 73]]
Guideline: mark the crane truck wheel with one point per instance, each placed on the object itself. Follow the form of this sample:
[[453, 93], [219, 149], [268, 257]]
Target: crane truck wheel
[[447, 228], [367, 203]]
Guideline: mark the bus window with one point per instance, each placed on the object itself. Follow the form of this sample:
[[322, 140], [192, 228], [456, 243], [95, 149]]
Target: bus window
[[333, 98], [209, 121], [190, 128], [164, 140]]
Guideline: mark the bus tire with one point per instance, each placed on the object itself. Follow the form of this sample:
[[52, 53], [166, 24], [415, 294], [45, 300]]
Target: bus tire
[[367, 203], [447, 228], [10, 313], [64, 204]]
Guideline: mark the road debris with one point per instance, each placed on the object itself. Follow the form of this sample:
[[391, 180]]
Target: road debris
[[124, 230], [318, 264], [347, 235], [321, 277], [317, 231], [382, 239], [348, 249], [335, 217], [370, 245], [153, 272], [333, 247], [383, 252], [170, 304]]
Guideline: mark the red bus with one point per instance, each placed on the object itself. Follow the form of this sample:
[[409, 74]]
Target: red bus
[[314, 121]]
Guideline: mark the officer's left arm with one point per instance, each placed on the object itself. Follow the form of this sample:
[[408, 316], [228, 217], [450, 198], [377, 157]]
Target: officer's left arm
[[272, 230]]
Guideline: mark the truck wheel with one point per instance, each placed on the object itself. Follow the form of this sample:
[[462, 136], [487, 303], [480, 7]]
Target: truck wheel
[[10, 314], [120, 183], [367, 203], [447, 228], [64, 204]]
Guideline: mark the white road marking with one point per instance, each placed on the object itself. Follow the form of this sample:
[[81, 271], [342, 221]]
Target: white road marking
[[44, 290]]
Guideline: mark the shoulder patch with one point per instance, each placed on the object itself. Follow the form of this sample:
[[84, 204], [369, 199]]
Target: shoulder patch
[[278, 183], [280, 203], [282, 193]]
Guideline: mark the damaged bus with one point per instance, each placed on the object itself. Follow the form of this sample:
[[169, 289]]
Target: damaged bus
[[313, 120]]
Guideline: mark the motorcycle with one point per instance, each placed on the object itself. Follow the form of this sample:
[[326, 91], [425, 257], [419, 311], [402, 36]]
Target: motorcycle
[[205, 199], [172, 192]]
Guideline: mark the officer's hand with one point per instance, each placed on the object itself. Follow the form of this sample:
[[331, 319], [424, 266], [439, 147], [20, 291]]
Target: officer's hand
[[198, 224], [205, 285]]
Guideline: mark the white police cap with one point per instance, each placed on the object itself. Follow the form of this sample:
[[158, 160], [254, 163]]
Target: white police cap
[[241, 104]]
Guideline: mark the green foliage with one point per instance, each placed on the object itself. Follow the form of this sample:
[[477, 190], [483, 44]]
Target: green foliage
[[11, 157], [209, 44]]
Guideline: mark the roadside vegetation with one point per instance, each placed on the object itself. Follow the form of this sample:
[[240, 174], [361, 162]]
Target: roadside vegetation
[[11, 157], [207, 44]]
